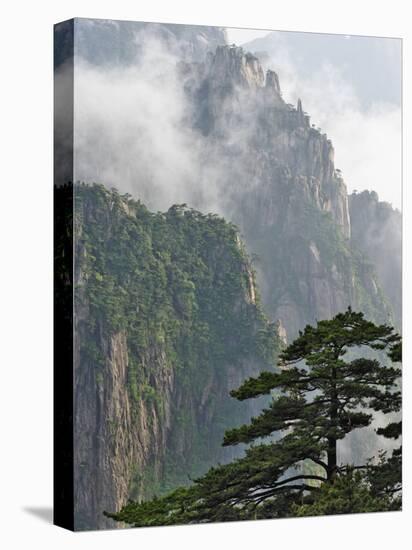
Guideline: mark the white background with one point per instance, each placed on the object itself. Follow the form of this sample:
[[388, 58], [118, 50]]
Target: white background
[[26, 273]]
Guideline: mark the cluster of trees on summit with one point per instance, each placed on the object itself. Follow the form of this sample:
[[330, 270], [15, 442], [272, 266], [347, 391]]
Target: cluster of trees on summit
[[338, 376]]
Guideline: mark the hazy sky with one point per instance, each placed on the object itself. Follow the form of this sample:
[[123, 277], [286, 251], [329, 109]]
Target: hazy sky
[[241, 36]]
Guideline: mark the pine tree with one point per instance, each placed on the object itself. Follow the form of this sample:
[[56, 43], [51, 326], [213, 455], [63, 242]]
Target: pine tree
[[329, 383]]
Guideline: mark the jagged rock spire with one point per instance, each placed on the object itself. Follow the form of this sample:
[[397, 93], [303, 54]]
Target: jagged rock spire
[[272, 81]]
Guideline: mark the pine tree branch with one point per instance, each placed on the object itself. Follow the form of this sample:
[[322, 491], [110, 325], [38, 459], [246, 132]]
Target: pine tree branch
[[297, 478]]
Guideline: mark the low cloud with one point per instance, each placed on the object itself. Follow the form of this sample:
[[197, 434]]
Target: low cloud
[[130, 131]]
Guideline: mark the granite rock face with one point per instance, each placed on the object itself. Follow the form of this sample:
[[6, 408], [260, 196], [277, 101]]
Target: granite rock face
[[278, 182], [241, 111], [377, 232]]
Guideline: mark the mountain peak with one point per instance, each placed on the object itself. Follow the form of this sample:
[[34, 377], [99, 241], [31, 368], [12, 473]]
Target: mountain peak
[[232, 65]]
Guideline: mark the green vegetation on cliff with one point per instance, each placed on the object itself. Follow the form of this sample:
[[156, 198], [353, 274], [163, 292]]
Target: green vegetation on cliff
[[180, 287]]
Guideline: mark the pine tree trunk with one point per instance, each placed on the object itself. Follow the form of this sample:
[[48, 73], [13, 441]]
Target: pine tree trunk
[[332, 457], [332, 442]]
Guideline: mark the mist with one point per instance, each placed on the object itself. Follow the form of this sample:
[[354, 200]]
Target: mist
[[129, 130], [136, 130]]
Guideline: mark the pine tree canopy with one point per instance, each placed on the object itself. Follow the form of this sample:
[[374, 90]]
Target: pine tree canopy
[[333, 379]]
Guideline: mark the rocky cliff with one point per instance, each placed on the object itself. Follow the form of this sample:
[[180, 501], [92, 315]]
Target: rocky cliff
[[377, 232], [279, 184], [167, 322]]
